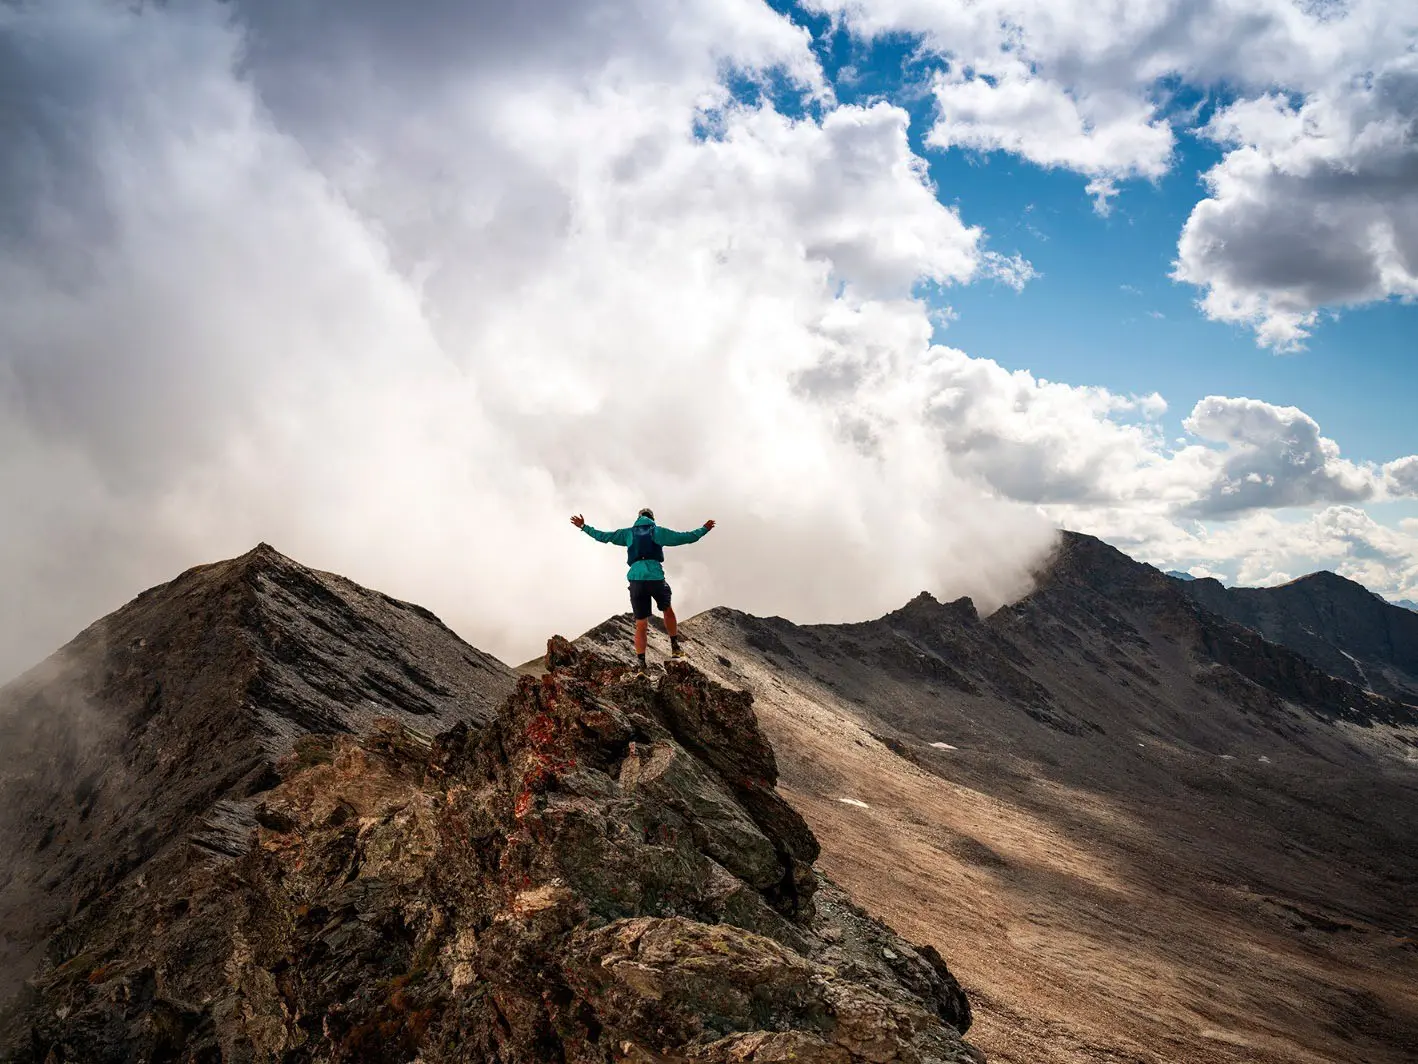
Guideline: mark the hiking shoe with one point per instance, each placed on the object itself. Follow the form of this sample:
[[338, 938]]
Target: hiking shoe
[[676, 651]]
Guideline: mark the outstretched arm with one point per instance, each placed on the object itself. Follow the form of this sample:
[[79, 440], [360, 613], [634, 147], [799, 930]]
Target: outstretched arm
[[620, 537], [668, 537]]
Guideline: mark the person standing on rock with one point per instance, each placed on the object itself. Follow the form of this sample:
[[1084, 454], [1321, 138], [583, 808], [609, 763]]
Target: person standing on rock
[[645, 544]]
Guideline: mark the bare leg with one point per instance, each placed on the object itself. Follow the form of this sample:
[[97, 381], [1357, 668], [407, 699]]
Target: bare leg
[[671, 625], [641, 631]]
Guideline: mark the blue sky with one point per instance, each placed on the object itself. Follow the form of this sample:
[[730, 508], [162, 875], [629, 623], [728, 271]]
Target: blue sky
[[1104, 309]]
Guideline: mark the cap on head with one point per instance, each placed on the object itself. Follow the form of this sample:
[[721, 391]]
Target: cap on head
[[647, 512]]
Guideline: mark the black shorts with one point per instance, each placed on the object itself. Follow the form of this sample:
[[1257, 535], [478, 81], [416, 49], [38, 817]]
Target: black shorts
[[642, 591]]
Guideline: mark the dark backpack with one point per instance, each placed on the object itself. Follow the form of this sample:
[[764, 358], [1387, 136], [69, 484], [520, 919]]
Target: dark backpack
[[643, 546]]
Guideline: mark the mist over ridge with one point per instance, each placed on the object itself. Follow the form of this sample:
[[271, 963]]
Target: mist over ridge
[[402, 328]]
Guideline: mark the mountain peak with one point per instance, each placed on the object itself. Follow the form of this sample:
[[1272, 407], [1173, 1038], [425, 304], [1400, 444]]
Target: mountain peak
[[926, 608], [1085, 562], [263, 555], [1325, 578], [261, 558], [1337, 623], [158, 724], [1326, 581]]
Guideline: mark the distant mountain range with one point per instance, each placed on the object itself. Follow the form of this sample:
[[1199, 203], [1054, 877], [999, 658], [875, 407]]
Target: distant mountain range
[[1335, 622], [1407, 604]]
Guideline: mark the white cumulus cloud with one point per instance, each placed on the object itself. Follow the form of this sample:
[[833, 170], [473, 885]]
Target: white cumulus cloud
[[400, 291], [1273, 456], [1107, 135], [1314, 204]]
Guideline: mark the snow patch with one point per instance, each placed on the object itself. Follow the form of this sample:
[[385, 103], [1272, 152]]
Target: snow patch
[[854, 801], [1358, 668], [944, 746]]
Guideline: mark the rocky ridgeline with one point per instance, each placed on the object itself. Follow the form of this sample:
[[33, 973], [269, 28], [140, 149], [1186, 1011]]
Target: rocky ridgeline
[[1339, 625], [161, 724], [603, 872]]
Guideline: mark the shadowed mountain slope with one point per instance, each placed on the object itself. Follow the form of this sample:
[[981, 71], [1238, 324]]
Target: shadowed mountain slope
[[157, 725], [1340, 625], [1140, 831]]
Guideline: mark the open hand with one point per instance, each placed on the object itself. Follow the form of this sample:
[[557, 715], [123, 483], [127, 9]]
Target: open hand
[[578, 520], [709, 525]]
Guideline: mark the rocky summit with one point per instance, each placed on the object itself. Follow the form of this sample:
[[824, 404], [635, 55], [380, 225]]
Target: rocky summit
[[600, 869], [159, 724]]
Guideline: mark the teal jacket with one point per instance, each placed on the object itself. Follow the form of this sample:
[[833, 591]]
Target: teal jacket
[[646, 569]]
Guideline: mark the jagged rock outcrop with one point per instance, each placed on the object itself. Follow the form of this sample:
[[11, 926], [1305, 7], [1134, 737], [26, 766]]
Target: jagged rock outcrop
[[1339, 625], [603, 871], [158, 724]]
